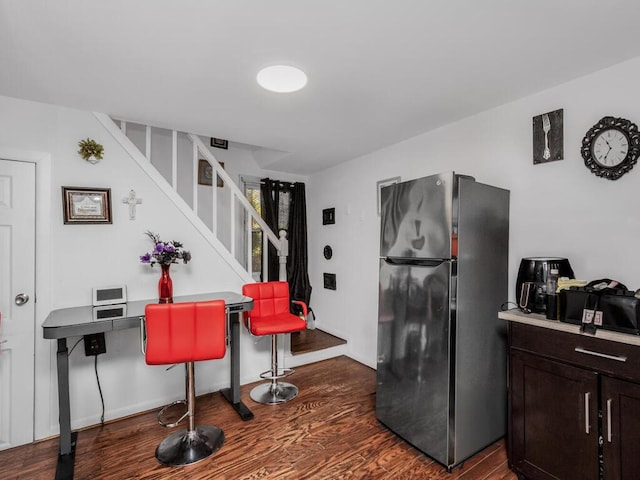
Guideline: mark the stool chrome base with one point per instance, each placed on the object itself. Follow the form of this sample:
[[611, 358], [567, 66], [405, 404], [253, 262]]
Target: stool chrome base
[[186, 447], [274, 393]]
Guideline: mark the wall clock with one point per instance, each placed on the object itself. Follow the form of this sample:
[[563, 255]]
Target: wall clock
[[611, 147]]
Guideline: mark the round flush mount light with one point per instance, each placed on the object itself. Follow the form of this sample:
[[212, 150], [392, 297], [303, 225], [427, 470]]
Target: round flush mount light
[[281, 78]]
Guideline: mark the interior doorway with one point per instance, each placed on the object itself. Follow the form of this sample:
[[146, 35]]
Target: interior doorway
[[17, 302]]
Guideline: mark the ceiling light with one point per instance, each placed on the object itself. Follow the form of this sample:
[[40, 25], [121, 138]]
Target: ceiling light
[[281, 78]]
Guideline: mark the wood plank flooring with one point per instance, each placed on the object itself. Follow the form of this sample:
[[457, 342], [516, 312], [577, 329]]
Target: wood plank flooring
[[328, 432], [313, 340]]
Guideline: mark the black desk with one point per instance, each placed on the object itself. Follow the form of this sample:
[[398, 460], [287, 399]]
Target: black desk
[[77, 321]]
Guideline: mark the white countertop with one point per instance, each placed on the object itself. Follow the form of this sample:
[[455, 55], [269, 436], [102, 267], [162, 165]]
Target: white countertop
[[538, 320]]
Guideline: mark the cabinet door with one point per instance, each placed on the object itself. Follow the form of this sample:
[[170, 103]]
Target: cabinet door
[[553, 419], [621, 429]]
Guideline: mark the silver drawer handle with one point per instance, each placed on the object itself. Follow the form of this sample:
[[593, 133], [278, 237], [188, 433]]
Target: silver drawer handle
[[602, 355], [586, 412], [609, 434]]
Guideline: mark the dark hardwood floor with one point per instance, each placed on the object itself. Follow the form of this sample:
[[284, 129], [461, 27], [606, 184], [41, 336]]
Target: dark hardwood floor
[[328, 432], [313, 340]]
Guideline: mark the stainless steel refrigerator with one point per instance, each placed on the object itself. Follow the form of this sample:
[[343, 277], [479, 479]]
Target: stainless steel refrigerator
[[441, 366]]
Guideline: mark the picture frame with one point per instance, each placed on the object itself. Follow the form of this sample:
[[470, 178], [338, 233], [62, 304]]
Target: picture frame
[[384, 183], [205, 173], [219, 143], [82, 205], [329, 216], [548, 137]]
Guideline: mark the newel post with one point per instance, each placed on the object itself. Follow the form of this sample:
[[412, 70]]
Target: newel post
[[282, 255]]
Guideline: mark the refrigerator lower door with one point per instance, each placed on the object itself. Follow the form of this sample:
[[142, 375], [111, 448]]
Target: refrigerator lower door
[[412, 393]]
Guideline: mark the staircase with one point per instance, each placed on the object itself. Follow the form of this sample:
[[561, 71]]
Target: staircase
[[222, 214]]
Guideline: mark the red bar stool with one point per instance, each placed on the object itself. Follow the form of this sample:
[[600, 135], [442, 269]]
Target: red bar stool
[[271, 315], [186, 333]]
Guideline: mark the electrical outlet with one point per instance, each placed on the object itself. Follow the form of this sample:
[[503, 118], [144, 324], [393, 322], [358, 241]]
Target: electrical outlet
[[94, 344]]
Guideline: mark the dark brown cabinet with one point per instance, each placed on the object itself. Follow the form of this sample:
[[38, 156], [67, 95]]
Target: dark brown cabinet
[[621, 428], [574, 406]]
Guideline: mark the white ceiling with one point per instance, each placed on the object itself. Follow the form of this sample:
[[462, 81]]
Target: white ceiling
[[380, 71]]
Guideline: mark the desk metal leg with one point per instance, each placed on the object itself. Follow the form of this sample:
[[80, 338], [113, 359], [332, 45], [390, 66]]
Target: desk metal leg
[[233, 394], [64, 469]]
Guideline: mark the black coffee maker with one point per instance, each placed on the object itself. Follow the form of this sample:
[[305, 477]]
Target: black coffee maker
[[531, 288]]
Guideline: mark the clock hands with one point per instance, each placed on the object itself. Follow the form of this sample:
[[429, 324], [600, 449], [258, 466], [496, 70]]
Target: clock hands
[[608, 145]]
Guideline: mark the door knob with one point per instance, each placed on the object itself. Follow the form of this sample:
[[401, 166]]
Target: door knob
[[21, 298]]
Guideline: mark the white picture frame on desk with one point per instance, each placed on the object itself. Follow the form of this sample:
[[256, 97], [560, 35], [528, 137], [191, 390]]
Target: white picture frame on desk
[[109, 295]]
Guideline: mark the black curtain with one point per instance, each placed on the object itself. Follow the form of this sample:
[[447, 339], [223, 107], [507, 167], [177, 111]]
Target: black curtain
[[270, 190], [297, 259], [297, 262]]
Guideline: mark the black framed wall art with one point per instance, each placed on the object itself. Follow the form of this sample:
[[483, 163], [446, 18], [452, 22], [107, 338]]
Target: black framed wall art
[[86, 205]]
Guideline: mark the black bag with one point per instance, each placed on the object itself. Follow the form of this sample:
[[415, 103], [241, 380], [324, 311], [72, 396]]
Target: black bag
[[611, 307]]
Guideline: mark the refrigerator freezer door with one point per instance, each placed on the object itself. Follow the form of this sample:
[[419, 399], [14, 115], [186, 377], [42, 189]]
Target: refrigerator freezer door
[[417, 218], [412, 391]]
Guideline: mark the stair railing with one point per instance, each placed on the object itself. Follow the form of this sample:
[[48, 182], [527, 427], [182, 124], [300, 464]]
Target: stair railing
[[237, 197]]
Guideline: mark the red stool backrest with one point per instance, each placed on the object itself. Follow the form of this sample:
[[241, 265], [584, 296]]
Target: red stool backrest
[[185, 332], [269, 298]]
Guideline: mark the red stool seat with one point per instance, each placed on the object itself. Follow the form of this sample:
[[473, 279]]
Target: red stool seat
[[277, 324], [271, 315], [186, 333]]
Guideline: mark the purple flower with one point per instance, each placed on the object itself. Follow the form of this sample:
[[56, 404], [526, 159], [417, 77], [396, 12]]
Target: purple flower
[[165, 253]]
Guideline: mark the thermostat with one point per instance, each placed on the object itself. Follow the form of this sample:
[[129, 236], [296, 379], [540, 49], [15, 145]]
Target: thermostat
[[109, 295]]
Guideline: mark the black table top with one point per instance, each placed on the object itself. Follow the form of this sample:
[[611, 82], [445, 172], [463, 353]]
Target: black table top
[[85, 320]]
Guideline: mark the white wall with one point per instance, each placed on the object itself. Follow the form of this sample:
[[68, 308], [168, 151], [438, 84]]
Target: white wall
[[71, 259], [557, 209]]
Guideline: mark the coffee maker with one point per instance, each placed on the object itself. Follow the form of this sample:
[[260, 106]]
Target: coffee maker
[[531, 289]]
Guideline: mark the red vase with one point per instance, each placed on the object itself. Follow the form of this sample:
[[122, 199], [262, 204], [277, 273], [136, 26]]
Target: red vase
[[165, 286]]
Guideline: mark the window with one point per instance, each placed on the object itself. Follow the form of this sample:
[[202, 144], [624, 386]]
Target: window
[[283, 211], [252, 192], [254, 195]]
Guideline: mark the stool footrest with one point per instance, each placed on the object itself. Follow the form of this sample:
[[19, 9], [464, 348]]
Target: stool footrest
[[185, 447], [281, 373], [273, 393], [164, 409]]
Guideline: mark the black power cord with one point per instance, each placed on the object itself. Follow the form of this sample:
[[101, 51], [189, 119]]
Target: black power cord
[[506, 306], [74, 346], [95, 364]]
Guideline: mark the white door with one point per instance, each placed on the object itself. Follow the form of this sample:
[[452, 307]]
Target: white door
[[17, 303]]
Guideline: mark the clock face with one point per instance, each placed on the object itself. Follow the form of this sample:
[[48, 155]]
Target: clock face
[[610, 147]]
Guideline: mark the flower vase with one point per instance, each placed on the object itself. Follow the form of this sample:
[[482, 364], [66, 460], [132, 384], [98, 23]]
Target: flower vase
[[165, 286]]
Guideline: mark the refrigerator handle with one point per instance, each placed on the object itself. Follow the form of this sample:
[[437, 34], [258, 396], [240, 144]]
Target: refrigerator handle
[[420, 262]]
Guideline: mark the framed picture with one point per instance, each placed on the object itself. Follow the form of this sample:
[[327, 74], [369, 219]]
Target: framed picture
[[383, 183], [205, 173], [86, 205], [548, 141], [329, 216], [220, 143]]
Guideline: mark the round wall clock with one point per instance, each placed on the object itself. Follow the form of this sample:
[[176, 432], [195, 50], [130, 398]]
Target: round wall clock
[[611, 147]]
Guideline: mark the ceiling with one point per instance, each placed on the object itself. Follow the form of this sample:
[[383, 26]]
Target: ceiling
[[380, 71]]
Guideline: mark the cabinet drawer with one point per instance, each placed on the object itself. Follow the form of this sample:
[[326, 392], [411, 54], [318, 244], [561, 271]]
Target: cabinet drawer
[[619, 359]]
